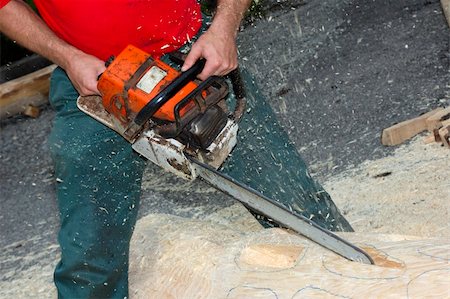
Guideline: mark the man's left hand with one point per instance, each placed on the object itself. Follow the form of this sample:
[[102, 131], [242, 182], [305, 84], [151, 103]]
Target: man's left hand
[[220, 51]]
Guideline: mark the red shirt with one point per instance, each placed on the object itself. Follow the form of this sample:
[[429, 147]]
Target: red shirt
[[104, 27]]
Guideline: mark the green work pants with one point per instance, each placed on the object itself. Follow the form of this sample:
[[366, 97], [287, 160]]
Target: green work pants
[[98, 187]]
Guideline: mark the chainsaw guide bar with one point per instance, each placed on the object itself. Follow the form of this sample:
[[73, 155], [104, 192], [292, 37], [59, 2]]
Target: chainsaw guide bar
[[280, 214]]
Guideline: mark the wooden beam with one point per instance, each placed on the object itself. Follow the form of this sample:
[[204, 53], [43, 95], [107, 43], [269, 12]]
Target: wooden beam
[[402, 131], [32, 89]]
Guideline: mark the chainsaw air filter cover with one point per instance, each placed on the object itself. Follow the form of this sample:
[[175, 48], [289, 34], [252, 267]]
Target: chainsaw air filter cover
[[204, 128]]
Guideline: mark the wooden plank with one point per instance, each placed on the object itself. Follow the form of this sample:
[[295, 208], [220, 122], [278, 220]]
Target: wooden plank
[[444, 134], [173, 257], [429, 139], [402, 131], [22, 67], [446, 9], [32, 89], [435, 121], [437, 134], [445, 123]]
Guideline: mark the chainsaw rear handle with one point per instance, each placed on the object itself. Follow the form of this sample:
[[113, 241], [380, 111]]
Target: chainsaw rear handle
[[107, 63], [167, 93], [239, 92]]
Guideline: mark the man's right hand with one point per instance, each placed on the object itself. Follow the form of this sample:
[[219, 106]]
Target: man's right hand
[[83, 70]]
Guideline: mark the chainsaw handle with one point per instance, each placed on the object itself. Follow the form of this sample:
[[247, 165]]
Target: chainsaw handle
[[239, 92], [167, 93]]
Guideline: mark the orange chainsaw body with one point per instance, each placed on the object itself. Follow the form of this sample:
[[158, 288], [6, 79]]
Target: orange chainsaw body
[[133, 79]]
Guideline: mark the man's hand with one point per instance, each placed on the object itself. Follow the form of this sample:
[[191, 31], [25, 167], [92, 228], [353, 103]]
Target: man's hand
[[83, 70], [218, 44], [218, 49]]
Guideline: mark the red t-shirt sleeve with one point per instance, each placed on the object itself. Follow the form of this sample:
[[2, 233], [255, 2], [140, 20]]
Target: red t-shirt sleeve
[[3, 3]]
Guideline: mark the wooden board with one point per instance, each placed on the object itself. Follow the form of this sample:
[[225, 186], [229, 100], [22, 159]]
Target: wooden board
[[400, 132], [174, 257], [32, 89], [444, 135], [436, 120], [439, 126]]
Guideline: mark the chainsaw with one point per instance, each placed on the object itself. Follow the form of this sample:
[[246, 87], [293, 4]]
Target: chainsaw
[[185, 126]]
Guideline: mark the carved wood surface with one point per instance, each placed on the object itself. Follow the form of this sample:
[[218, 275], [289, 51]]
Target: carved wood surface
[[174, 257]]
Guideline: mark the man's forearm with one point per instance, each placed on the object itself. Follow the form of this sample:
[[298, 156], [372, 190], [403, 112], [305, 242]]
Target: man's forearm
[[19, 22], [218, 44], [229, 14]]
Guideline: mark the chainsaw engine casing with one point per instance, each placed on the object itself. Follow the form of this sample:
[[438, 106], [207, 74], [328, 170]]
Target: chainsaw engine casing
[[142, 92]]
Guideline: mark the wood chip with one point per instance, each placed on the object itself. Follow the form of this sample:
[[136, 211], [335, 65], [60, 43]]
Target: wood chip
[[32, 111]]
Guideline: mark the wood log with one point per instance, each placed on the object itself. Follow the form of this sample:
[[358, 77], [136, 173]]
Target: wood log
[[400, 132], [173, 257], [32, 89]]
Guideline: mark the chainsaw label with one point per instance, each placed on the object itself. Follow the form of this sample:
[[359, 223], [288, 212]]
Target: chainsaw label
[[153, 76]]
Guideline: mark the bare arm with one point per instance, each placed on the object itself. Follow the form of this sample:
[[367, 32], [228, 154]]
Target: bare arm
[[218, 44], [19, 22]]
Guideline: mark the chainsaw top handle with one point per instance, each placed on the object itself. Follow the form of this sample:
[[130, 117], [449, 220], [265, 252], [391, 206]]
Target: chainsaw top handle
[[167, 93]]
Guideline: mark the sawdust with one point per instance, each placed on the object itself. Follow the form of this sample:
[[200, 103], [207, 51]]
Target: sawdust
[[28, 274], [405, 193]]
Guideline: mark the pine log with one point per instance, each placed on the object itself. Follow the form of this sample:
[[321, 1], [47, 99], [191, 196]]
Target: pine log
[[173, 257]]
